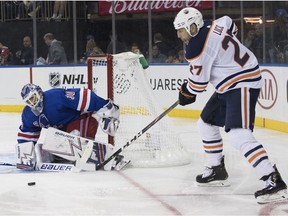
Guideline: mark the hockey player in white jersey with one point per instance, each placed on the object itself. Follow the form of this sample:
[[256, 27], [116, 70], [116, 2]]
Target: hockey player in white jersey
[[70, 110], [216, 56]]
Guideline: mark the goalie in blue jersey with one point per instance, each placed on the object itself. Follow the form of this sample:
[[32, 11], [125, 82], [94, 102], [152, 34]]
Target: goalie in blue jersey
[[76, 111]]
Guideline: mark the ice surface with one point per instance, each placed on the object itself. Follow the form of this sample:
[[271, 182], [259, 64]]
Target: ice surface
[[139, 191]]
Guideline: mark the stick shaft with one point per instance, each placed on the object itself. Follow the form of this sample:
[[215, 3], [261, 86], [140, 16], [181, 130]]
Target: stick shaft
[[6, 164], [138, 135]]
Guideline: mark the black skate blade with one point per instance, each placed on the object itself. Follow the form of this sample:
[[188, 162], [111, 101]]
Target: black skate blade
[[218, 183], [280, 196]]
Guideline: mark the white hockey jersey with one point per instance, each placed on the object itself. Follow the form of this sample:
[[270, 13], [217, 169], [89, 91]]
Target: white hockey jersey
[[217, 56]]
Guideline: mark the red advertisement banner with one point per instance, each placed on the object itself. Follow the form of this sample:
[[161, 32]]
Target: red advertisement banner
[[128, 7]]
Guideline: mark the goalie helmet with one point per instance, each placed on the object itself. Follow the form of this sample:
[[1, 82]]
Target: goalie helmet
[[186, 17], [32, 95]]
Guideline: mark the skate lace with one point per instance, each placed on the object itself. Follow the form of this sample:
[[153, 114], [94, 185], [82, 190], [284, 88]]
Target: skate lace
[[207, 172], [270, 183]]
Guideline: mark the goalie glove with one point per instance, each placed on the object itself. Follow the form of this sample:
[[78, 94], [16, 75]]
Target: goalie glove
[[109, 125], [185, 97], [108, 118]]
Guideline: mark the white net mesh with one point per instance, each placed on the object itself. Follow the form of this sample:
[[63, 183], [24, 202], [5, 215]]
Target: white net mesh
[[160, 145]]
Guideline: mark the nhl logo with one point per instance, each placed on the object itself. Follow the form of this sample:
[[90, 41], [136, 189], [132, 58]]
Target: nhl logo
[[54, 79]]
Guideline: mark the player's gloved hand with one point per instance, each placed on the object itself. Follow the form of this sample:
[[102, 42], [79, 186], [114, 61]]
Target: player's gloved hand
[[108, 118], [109, 125], [185, 97]]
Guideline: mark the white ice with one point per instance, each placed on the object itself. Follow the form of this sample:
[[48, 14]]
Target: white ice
[[140, 191]]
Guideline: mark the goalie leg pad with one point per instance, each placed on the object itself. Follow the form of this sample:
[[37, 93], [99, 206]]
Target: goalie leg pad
[[109, 165], [118, 163], [98, 153], [62, 144], [94, 154], [26, 158], [42, 156]]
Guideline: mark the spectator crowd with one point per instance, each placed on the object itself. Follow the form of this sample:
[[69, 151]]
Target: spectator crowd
[[161, 51], [270, 46]]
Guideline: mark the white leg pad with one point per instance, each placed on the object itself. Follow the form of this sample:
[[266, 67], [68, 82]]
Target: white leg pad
[[62, 144], [109, 152], [42, 156], [25, 155]]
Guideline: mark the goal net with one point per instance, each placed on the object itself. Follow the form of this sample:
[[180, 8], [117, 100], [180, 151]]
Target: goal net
[[126, 84]]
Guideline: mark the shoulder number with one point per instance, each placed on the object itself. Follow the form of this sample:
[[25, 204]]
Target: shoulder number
[[195, 69], [225, 45]]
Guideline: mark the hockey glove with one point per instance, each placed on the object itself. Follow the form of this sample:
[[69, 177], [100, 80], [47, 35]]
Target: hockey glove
[[109, 125], [108, 118], [185, 97]]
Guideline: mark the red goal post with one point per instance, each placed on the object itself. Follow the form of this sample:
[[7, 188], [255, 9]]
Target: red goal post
[[105, 60], [126, 83]]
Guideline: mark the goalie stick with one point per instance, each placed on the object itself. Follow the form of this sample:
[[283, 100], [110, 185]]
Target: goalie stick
[[6, 164], [137, 135], [50, 167]]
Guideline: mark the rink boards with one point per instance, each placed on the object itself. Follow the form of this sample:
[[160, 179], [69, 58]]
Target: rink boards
[[165, 81]]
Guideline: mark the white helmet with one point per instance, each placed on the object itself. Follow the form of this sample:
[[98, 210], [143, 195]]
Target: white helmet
[[186, 17]]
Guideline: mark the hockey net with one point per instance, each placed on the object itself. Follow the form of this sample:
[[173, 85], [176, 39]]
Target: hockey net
[[127, 85]]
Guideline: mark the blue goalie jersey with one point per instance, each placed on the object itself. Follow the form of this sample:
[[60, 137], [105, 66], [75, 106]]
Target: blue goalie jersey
[[60, 107]]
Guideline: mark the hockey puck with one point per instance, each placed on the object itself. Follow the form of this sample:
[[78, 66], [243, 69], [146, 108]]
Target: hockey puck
[[31, 183]]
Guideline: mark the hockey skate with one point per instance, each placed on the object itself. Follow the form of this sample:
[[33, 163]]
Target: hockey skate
[[120, 162], [117, 163], [275, 190], [214, 176]]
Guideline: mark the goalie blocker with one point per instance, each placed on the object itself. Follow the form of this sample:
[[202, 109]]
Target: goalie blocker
[[57, 150]]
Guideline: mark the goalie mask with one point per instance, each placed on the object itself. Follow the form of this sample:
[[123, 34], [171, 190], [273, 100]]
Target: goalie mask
[[32, 95], [186, 17]]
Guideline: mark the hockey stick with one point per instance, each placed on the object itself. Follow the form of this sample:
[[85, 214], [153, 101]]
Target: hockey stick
[[50, 167], [6, 164], [138, 135]]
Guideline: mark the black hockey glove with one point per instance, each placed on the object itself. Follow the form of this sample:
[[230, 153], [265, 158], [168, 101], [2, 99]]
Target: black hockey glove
[[185, 97]]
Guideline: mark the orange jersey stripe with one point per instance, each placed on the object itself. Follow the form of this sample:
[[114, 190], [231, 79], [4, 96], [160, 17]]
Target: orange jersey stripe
[[243, 77], [256, 155], [214, 146], [193, 86]]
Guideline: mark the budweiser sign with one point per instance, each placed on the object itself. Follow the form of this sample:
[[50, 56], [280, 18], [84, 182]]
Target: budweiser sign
[[124, 7]]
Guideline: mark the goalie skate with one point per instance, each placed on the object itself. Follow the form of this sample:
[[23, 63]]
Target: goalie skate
[[120, 162], [275, 190], [214, 176]]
